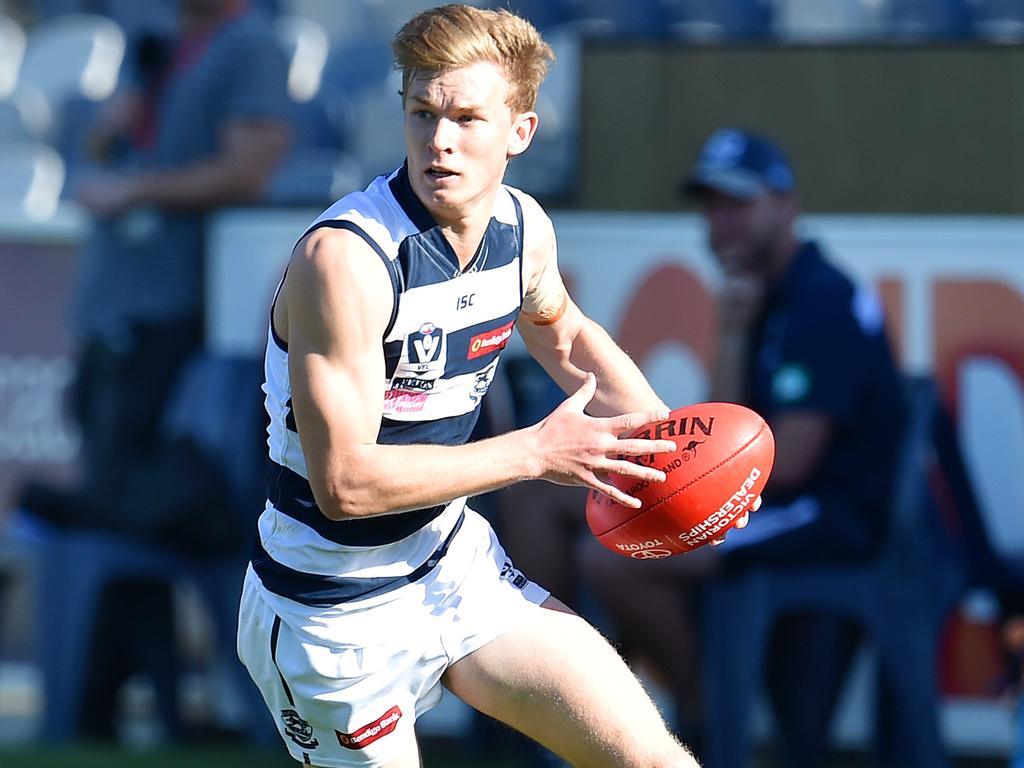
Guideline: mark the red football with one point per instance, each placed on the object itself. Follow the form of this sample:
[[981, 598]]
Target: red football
[[724, 454]]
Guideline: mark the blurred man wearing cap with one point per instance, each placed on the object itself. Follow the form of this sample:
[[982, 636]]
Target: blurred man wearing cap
[[804, 346]]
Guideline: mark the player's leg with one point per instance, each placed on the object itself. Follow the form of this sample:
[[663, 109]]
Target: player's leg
[[652, 607], [554, 678]]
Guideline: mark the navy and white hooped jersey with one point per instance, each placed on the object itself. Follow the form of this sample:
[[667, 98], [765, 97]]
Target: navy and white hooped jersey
[[441, 350]]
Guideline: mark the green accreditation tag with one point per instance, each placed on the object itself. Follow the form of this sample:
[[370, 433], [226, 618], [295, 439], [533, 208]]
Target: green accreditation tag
[[791, 383]]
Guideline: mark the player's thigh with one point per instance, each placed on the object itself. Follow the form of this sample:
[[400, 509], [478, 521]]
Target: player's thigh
[[409, 759], [554, 678]]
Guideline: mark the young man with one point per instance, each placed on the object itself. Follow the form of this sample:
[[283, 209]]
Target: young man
[[373, 583]]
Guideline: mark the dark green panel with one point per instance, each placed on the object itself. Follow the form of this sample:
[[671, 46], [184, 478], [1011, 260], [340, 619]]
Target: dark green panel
[[886, 129]]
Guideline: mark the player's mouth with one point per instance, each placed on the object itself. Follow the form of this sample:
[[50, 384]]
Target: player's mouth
[[440, 173]]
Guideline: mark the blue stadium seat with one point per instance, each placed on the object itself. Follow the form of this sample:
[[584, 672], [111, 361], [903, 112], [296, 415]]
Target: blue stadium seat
[[306, 45], [12, 50], [217, 404], [825, 21], [31, 180], [927, 20], [644, 19], [543, 14], [717, 20], [899, 600], [25, 115], [356, 67], [74, 55], [315, 177], [999, 21]]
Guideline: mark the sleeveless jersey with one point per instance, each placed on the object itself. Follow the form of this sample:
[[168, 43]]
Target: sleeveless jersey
[[441, 350]]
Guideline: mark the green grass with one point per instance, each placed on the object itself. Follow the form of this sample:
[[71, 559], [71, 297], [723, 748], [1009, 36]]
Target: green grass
[[435, 756], [276, 757]]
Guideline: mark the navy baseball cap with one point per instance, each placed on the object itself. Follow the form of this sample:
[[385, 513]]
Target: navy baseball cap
[[739, 164]]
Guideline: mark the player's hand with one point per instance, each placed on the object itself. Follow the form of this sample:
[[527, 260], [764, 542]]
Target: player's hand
[[107, 195], [577, 449], [741, 522]]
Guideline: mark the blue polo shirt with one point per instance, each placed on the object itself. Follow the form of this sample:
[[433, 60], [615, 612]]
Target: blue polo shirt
[[820, 346], [147, 265]]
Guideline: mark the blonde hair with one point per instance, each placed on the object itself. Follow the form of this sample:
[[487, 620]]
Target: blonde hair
[[453, 36]]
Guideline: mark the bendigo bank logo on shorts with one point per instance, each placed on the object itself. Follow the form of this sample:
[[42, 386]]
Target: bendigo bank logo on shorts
[[298, 730], [369, 733], [489, 341]]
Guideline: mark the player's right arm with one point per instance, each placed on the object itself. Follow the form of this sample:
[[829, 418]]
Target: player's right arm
[[333, 311]]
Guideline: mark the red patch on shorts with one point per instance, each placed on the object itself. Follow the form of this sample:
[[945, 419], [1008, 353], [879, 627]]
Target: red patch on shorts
[[369, 733]]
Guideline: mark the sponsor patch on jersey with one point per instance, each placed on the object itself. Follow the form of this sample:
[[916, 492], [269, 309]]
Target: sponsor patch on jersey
[[369, 733], [403, 401], [489, 341], [412, 384]]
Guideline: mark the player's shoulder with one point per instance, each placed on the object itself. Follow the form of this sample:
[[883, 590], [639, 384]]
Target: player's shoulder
[[537, 226], [532, 210]]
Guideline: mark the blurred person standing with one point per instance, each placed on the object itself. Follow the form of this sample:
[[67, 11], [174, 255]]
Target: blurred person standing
[[806, 348], [203, 127]]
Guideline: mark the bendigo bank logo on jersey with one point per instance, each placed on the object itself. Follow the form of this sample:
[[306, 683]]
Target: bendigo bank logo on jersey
[[489, 341]]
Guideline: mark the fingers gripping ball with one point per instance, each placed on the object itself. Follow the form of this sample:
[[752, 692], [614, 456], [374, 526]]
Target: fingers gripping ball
[[724, 454]]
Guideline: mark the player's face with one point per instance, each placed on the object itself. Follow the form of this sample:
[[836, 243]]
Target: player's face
[[459, 134], [743, 233]]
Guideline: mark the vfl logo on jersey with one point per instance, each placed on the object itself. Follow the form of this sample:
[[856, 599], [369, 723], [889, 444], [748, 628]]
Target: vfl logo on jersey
[[425, 353], [298, 730], [489, 341], [369, 733], [425, 345]]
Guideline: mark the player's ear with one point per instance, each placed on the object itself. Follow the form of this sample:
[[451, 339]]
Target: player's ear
[[524, 126]]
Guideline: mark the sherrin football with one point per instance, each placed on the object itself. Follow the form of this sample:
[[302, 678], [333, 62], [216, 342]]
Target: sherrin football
[[723, 457]]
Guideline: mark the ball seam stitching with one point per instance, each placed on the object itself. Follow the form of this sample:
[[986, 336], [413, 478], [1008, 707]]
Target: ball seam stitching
[[707, 472]]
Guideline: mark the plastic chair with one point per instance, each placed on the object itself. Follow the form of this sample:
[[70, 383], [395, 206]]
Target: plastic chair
[[645, 19], [12, 49], [25, 115], [896, 599], [314, 176], [999, 21], [927, 19], [306, 45], [31, 180], [818, 21], [217, 404], [715, 20], [76, 54]]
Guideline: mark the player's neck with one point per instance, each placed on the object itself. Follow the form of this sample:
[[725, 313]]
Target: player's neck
[[464, 226]]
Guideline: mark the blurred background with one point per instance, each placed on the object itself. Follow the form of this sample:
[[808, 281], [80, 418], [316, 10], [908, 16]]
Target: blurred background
[[904, 120]]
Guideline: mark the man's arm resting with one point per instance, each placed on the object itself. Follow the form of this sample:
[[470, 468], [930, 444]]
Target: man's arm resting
[[237, 174]]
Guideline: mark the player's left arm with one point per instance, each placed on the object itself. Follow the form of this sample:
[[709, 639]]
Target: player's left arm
[[567, 343]]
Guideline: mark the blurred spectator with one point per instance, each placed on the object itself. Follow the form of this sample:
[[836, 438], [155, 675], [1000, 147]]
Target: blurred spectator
[[204, 128], [806, 348], [1013, 638]]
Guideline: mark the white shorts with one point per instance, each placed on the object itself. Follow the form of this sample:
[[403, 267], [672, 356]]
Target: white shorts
[[346, 684]]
